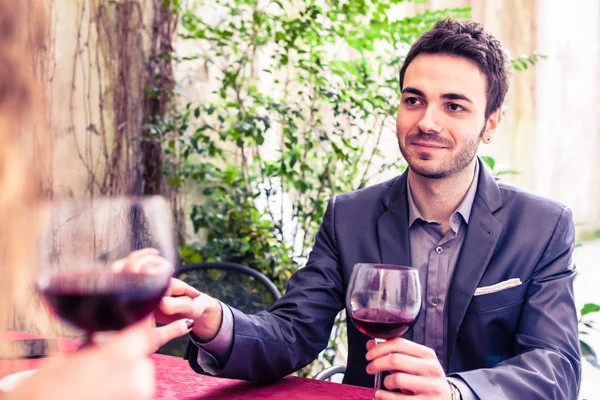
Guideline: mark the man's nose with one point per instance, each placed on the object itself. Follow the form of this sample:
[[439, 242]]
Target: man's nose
[[428, 122]]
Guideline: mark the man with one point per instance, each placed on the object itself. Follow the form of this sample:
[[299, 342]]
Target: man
[[498, 318]]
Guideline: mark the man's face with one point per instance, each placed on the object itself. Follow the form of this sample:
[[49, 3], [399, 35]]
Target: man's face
[[441, 117]]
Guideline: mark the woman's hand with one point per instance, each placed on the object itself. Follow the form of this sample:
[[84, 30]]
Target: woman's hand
[[117, 370]]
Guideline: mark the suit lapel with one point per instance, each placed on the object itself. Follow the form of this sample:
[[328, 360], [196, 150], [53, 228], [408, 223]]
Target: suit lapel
[[482, 235], [392, 229], [392, 226]]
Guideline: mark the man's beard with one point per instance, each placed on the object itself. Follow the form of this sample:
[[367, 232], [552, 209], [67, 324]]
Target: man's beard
[[459, 162]]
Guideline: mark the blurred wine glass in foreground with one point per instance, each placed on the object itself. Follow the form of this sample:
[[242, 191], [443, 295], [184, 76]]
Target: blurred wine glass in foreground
[[106, 263]]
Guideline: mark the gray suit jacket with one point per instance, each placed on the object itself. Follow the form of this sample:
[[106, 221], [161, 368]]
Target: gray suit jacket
[[518, 343]]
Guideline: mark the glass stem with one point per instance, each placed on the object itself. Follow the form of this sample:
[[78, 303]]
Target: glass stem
[[377, 385]]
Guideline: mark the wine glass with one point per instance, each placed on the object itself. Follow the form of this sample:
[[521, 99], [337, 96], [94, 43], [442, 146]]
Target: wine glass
[[106, 263], [383, 301]]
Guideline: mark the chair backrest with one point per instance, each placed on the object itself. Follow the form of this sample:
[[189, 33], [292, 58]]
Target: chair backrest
[[241, 287], [329, 372], [237, 285]]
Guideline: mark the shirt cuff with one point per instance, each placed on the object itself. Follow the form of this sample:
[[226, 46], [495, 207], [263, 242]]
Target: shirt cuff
[[465, 391], [213, 355]]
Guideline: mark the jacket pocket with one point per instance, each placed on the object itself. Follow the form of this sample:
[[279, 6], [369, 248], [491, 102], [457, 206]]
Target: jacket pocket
[[504, 298]]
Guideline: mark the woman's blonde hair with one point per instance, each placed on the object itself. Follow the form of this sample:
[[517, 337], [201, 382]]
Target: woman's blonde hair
[[24, 147]]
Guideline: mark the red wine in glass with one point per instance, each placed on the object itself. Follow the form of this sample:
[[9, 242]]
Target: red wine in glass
[[99, 302], [381, 323], [383, 301]]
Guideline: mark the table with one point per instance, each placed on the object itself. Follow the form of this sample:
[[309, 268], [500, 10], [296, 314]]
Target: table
[[175, 380]]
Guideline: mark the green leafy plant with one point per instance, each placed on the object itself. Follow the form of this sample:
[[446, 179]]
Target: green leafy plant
[[522, 63], [273, 143], [491, 163], [586, 327]]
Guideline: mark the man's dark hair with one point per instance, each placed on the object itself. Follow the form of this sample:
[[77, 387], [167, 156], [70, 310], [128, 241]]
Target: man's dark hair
[[469, 40]]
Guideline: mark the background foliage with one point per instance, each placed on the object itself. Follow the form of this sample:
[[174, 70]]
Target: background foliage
[[273, 142]]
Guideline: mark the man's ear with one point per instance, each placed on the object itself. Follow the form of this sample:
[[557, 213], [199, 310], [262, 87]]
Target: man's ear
[[491, 124]]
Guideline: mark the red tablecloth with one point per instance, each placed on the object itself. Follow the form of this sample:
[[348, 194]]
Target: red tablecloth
[[175, 380]]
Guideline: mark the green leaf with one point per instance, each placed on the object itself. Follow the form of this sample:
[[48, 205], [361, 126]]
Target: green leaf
[[589, 308], [233, 104], [508, 172], [589, 354], [524, 62], [489, 161], [189, 255], [589, 324], [174, 180]]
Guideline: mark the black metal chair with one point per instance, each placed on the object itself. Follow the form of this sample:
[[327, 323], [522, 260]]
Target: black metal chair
[[237, 285], [329, 372]]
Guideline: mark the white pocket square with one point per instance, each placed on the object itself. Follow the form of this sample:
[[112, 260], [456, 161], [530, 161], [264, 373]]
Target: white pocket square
[[497, 287]]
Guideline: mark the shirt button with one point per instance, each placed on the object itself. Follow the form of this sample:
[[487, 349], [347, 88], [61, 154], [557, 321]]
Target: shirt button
[[439, 250], [435, 302]]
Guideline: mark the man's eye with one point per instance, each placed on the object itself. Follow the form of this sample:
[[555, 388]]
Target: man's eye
[[413, 101], [455, 107]]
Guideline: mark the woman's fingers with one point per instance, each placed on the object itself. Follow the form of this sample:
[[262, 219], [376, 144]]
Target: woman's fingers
[[159, 336], [139, 342]]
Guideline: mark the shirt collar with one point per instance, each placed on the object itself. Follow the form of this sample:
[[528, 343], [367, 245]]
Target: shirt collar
[[463, 209]]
